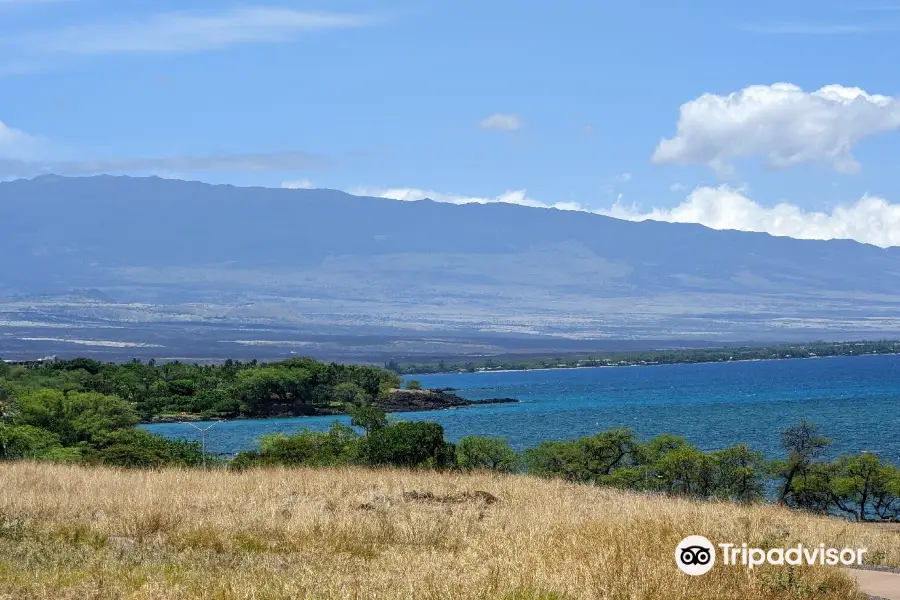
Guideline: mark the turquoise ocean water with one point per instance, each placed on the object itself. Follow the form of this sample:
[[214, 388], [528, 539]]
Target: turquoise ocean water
[[856, 400]]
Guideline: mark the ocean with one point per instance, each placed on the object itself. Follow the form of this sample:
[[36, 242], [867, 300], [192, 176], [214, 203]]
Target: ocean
[[855, 400]]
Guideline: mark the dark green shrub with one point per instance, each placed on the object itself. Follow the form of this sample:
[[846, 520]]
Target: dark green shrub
[[136, 448], [490, 453], [407, 444], [26, 442], [246, 460], [337, 446]]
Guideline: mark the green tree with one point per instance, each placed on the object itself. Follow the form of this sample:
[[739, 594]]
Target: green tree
[[804, 443], [136, 448], [591, 459], [80, 417], [269, 390], [9, 411], [653, 450], [337, 446], [26, 442], [414, 384], [685, 471], [368, 416], [739, 474], [490, 453], [407, 444], [555, 459], [864, 487], [9, 405], [350, 394]]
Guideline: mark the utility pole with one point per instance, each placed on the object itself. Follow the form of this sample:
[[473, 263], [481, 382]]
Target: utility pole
[[202, 431]]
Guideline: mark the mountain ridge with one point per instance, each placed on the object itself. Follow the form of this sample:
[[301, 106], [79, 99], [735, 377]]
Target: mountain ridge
[[165, 250]]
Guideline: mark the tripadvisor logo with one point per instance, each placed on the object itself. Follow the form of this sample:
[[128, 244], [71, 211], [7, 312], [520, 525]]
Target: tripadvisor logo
[[696, 555]]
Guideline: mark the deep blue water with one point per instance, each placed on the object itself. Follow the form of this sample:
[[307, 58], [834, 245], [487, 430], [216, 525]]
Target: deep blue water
[[856, 401]]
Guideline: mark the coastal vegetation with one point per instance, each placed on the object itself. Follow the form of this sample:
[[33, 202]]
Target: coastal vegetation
[[93, 506], [861, 487], [293, 387], [60, 413], [653, 357]]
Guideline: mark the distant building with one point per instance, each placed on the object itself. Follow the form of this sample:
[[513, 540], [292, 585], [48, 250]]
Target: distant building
[[33, 361]]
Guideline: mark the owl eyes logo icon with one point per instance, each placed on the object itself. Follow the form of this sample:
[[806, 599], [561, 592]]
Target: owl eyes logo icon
[[695, 555]]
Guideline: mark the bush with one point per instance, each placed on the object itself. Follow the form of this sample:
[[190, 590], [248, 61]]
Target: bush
[[26, 442], [740, 473], [407, 444], [337, 446], [491, 453], [414, 384], [77, 417], [666, 464], [860, 486], [9, 404], [248, 459], [587, 460], [136, 448], [62, 455], [369, 417]]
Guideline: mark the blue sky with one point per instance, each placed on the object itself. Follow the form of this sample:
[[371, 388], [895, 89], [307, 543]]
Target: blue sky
[[563, 103]]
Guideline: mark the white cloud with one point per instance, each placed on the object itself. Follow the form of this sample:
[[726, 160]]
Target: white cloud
[[15, 144], [501, 122], [298, 184], [677, 188], [187, 32], [519, 197], [779, 123], [870, 219]]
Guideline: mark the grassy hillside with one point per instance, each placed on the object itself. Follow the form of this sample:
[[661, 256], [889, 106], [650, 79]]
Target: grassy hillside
[[74, 532]]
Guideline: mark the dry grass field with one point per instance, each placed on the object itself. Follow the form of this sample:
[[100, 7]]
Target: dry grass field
[[76, 533]]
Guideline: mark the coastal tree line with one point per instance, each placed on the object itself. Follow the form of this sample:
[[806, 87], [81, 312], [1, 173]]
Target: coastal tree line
[[52, 414], [657, 357], [293, 387]]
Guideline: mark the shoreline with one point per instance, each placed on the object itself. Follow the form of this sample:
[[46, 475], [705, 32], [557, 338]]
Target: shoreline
[[444, 400], [668, 364]]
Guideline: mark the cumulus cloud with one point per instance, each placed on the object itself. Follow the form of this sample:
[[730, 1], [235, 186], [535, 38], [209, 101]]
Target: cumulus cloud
[[501, 122], [298, 184], [179, 32], [781, 124], [519, 197], [16, 144], [870, 219]]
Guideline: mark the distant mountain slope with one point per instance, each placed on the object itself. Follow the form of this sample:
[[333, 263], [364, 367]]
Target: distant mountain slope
[[322, 256]]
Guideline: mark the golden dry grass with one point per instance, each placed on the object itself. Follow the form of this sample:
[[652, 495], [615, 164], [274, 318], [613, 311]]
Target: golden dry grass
[[76, 533]]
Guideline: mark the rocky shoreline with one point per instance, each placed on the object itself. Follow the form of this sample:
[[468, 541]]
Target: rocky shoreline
[[419, 400], [399, 401]]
